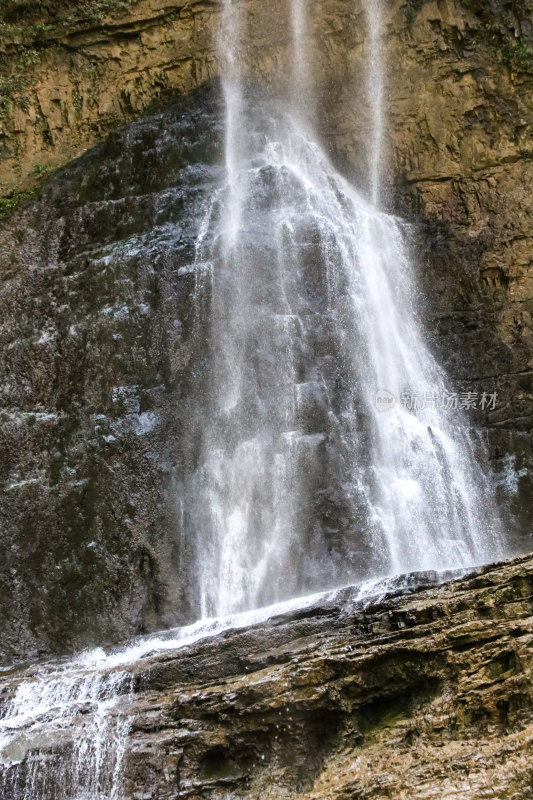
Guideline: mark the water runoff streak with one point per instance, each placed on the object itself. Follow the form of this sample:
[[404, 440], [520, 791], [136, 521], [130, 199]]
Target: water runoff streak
[[375, 92], [300, 482]]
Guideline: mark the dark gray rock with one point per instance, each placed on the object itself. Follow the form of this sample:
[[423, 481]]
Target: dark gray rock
[[95, 341]]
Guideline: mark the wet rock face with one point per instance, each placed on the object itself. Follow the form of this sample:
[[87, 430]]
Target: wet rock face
[[427, 694], [95, 340], [421, 690]]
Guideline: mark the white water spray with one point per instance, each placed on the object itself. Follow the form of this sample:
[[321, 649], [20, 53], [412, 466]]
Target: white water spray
[[302, 96], [229, 48], [84, 714], [303, 483]]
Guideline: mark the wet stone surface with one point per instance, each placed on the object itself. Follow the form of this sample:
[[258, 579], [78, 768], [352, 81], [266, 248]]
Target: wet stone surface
[[418, 689], [95, 339]]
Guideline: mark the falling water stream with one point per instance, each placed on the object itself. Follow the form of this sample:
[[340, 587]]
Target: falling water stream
[[375, 91], [303, 482], [318, 294]]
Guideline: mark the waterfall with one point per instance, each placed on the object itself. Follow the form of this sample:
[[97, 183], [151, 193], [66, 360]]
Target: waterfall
[[302, 96], [303, 481], [85, 710], [311, 463], [229, 47]]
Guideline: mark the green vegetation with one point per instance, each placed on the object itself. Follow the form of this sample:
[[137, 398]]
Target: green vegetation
[[14, 201], [482, 9], [515, 52], [19, 14], [23, 33], [27, 25], [77, 100], [39, 170], [22, 27], [500, 30], [17, 198], [39, 30], [97, 10], [411, 9], [518, 55], [17, 81], [503, 32]]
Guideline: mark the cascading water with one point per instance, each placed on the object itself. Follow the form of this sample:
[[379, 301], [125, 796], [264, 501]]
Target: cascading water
[[318, 296], [86, 708], [303, 482], [298, 481], [302, 95]]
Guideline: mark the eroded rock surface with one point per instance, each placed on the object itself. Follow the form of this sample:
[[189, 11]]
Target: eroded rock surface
[[424, 692], [427, 695]]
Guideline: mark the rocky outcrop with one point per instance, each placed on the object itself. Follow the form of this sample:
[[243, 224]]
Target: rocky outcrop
[[74, 71], [97, 269], [419, 691], [424, 695]]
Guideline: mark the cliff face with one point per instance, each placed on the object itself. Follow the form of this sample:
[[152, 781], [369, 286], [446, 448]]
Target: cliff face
[[97, 269], [460, 103], [96, 336], [420, 693], [463, 166]]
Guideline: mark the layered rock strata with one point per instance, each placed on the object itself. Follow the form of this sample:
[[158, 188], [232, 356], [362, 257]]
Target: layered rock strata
[[423, 692]]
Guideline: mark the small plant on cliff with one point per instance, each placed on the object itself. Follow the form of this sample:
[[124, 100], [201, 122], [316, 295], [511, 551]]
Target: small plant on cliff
[[411, 9], [503, 27], [39, 170], [39, 30], [97, 10], [518, 55], [18, 198], [9, 204], [515, 53]]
